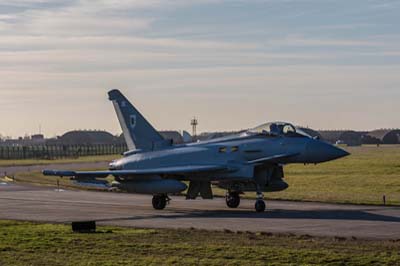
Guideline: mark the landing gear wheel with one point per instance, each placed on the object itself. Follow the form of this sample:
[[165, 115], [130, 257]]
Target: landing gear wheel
[[260, 206], [159, 202], [232, 200]]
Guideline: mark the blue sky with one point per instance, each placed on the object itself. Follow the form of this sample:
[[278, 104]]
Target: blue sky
[[233, 64]]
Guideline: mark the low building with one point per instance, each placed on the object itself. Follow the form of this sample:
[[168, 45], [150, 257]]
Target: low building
[[38, 139], [34, 140], [331, 136], [175, 136], [348, 137]]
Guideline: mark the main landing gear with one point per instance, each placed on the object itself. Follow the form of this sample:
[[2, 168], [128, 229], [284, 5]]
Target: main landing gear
[[260, 204], [160, 201], [232, 199]]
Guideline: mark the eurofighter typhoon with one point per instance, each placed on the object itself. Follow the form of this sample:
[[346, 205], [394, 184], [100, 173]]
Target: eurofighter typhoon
[[252, 161]]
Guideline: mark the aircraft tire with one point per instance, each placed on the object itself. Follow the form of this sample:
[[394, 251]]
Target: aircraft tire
[[260, 206], [159, 202], [232, 200]]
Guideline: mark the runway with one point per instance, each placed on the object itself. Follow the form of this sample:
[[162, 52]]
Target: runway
[[31, 203]]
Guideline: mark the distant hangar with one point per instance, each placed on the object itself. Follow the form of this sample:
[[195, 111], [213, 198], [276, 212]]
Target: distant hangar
[[349, 137], [101, 137], [86, 137], [383, 136], [354, 138]]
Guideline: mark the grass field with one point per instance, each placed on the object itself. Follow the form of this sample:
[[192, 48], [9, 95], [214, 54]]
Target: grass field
[[23, 243], [101, 158], [362, 178]]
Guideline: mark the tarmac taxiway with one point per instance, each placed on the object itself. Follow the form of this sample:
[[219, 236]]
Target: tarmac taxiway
[[45, 204]]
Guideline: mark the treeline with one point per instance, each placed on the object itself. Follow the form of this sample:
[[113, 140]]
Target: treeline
[[50, 152]]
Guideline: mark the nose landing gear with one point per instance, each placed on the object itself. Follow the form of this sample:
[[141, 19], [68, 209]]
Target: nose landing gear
[[232, 200], [260, 203], [260, 206]]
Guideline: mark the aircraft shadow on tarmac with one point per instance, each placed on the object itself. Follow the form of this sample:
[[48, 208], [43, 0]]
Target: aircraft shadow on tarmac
[[358, 215]]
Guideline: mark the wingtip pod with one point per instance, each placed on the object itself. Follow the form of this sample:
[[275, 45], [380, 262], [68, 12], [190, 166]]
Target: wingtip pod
[[58, 173], [48, 172]]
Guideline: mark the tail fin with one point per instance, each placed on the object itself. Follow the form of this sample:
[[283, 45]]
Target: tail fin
[[138, 133]]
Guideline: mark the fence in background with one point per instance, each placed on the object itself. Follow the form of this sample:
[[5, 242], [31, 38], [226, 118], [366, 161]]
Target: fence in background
[[58, 151]]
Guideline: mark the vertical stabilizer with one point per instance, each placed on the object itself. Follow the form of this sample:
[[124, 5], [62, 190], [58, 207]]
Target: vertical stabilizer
[[138, 133]]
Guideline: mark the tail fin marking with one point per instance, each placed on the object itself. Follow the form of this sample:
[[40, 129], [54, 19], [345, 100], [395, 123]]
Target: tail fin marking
[[138, 132]]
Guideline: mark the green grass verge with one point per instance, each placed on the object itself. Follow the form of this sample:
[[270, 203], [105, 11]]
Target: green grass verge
[[84, 159], [24, 243]]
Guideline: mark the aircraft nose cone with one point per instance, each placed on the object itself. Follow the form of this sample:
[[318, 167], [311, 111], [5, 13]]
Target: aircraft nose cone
[[318, 152]]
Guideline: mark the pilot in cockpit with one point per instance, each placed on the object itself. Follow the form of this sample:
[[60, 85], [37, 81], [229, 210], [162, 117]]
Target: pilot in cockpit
[[279, 129]]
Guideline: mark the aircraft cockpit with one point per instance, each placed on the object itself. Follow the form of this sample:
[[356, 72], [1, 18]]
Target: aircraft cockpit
[[279, 129]]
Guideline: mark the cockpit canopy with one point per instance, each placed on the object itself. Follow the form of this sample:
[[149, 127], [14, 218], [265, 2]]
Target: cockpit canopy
[[279, 129]]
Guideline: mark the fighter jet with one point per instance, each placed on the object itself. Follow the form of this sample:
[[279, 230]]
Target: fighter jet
[[251, 161]]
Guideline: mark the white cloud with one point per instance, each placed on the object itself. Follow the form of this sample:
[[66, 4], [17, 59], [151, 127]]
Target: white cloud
[[72, 21], [324, 42]]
